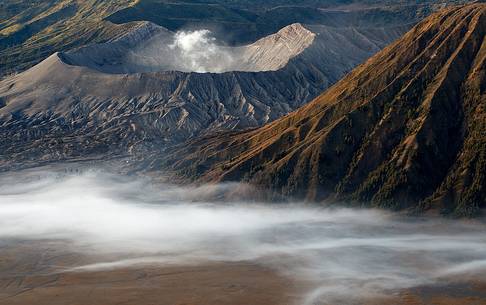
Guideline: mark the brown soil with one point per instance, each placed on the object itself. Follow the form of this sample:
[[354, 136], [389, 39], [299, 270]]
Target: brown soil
[[31, 274], [28, 276]]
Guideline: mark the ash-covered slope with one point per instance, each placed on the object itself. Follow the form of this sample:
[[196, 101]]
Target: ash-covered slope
[[69, 105], [407, 129]]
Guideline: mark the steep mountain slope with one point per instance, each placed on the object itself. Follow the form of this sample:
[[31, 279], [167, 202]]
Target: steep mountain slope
[[407, 129], [79, 103]]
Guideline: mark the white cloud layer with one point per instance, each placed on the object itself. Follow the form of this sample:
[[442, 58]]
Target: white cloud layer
[[364, 251]]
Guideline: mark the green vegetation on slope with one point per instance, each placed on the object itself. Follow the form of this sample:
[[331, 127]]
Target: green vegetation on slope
[[31, 31]]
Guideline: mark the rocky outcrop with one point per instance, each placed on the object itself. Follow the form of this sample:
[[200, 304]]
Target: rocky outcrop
[[405, 130]]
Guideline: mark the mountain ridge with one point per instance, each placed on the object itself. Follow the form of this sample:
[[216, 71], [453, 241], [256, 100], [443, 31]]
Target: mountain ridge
[[151, 48], [31, 32], [405, 130]]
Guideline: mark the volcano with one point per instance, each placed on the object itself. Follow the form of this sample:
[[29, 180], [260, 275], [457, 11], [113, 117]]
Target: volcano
[[152, 88]]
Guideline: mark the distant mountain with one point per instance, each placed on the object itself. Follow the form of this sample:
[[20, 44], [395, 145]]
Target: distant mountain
[[405, 130], [30, 31], [243, 21]]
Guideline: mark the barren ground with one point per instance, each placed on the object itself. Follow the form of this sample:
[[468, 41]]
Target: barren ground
[[37, 272]]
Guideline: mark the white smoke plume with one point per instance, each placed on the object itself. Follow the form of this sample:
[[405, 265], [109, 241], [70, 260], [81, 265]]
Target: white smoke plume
[[198, 51], [186, 51], [347, 254]]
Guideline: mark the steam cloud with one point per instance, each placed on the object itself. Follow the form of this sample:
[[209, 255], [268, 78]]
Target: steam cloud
[[187, 51], [365, 252], [197, 51]]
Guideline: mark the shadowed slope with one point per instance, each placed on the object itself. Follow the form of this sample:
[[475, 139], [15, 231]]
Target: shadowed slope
[[405, 129]]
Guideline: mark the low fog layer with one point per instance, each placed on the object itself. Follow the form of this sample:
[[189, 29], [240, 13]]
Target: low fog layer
[[365, 252]]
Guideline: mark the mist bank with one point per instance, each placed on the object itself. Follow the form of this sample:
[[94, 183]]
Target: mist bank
[[368, 252]]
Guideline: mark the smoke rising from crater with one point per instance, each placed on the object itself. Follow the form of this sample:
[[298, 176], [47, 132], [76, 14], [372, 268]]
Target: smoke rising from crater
[[198, 51], [151, 48], [365, 252], [186, 51]]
